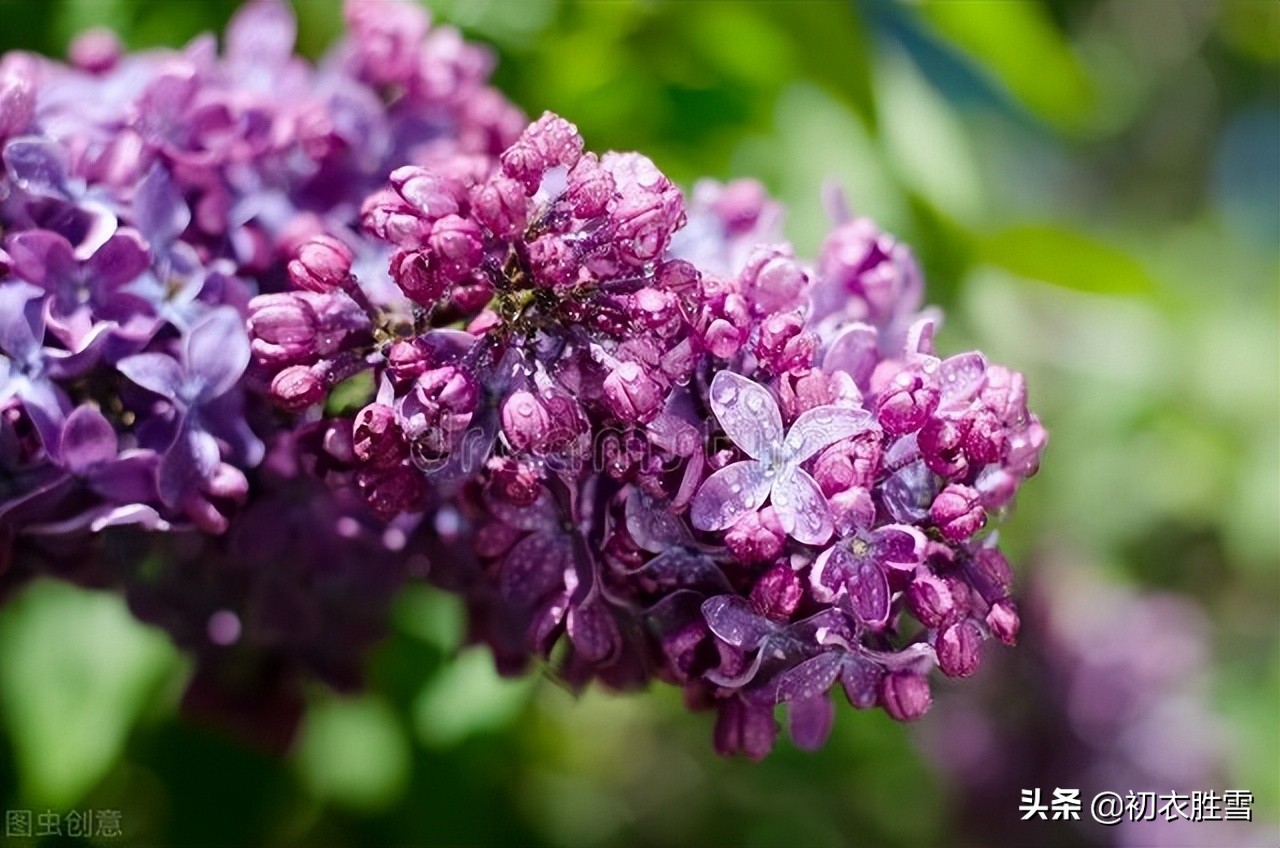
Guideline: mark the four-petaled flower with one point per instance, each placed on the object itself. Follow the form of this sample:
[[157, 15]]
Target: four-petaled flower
[[750, 417]]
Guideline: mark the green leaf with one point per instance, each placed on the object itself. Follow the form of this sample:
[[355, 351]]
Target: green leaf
[[1065, 258], [354, 752], [76, 671], [350, 395], [468, 697], [1018, 44]]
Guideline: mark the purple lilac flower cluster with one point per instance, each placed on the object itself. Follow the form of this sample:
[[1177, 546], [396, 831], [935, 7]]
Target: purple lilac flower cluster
[[145, 198], [651, 443]]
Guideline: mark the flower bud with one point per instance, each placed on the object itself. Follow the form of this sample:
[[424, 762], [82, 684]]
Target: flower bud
[[906, 403], [406, 360], [941, 442], [590, 188], [387, 216], [17, 96], [773, 280], [632, 395], [777, 593], [958, 648], [526, 421], [296, 387], [456, 244], [930, 600], [282, 328], [1003, 620], [431, 193], [414, 273], [756, 537], [499, 205], [95, 51], [905, 695], [376, 437], [957, 510], [739, 205], [323, 264], [394, 490], [514, 482]]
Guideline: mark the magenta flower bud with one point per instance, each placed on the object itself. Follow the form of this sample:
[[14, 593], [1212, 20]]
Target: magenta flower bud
[[407, 360], [773, 280], [958, 648], [414, 273], [740, 204], [994, 574], [456, 244], [514, 482], [777, 593], [654, 308], [548, 142], [386, 40], [906, 403], [756, 537], [723, 339], [526, 421], [553, 260], [930, 600], [376, 437], [590, 188], [941, 443], [1003, 620], [905, 695], [957, 510], [387, 216], [323, 263], [632, 395], [17, 96], [499, 204], [744, 728], [681, 648], [296, 387], [282, 329], [394, 490], [986, 440], [649, 207], [95, 51], [427, 191], [848, 464], [679, 277]]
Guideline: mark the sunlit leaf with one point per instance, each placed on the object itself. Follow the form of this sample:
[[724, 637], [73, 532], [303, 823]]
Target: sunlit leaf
[[354, 752], [76, 671], [1065, 258]]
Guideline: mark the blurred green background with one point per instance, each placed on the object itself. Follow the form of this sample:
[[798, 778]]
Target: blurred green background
[[1093, 188]]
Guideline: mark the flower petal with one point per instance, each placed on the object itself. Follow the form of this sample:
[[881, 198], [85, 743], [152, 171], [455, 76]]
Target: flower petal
[[155, 372], [810, 721], [962, 377], [868, 590], [899, 546], [801, 508], [821, 426], [731, 618], [87, 440], [192, 460], [21, 320], [652, 528], [534, 568], [729, 494], [217, 350], [810, 679], [747, 412], [593, 632]]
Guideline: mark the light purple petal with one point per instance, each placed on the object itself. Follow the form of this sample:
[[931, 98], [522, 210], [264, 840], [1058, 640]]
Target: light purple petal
[[262, 33], [144, 516], [187, 464], [810, 721], [962, 377], [42, 257], [21, 320], [534, 568], [87, 440], [856, 352], [217, 351], [821, 426], [748, 414], [801, 508], [159, 211], [155, 372], [868, 590], [654, 529], [729, 494], [129, 479], [37, 165], [679, 567], [731, 618]]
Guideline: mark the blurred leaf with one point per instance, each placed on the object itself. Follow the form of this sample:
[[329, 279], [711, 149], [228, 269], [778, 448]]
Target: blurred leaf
[[76, 670], [1065, 258], [354, 752], [1018, 44], [468, 697], [350, 395]]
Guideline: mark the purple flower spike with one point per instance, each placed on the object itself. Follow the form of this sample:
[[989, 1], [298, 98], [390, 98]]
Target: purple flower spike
[[750, 417]]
